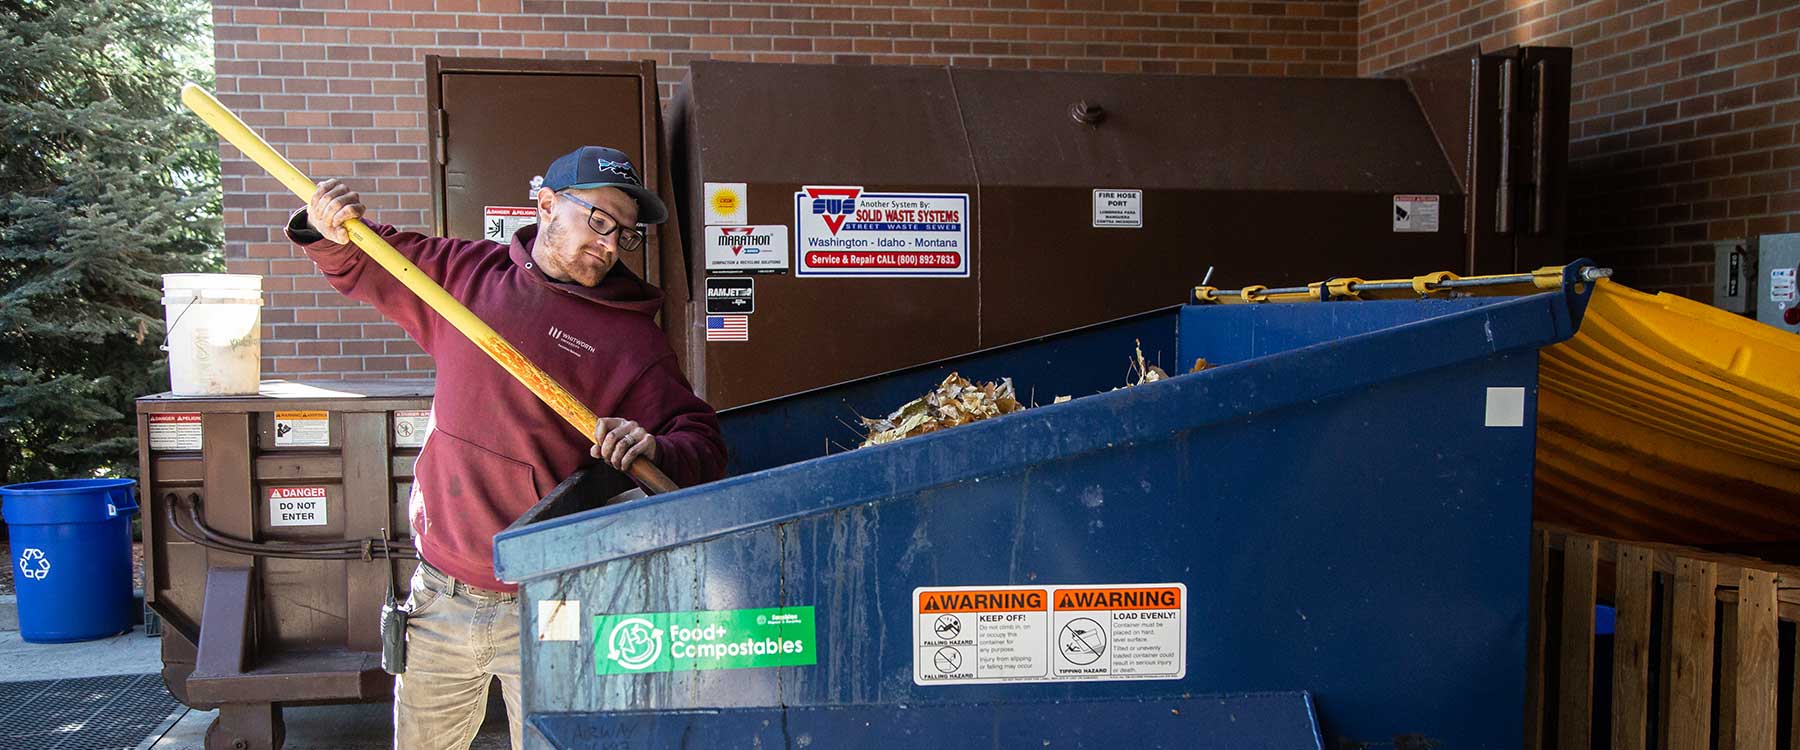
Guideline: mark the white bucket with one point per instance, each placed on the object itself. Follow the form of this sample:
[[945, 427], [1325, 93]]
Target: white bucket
[[214, 333]]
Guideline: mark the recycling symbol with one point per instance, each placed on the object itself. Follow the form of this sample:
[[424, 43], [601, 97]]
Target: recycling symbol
[[33, 564]]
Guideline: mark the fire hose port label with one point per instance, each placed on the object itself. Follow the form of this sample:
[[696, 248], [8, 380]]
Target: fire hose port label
[[991, 634]]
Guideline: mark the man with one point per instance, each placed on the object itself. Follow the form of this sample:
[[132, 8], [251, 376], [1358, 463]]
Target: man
[[559, 295]]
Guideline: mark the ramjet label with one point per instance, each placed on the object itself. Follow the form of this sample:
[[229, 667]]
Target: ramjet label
[[754, 249], [297, 506], [846, 231], [689, 641], [990, 634]]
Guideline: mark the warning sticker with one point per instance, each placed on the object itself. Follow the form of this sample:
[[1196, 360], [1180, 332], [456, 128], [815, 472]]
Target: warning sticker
[[843, 231], [1415, 213], [726, 202], [302, 429], [1782, 285], [297, 506], [175, 431], [759, 249], [410, 427], [498, 223], [971, 635], [1119, 208]]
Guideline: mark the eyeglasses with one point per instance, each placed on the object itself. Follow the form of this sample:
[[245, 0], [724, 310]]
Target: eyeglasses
[[604, 224]]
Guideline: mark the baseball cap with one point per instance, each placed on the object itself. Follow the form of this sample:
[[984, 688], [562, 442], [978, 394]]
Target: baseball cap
[[599, 166]]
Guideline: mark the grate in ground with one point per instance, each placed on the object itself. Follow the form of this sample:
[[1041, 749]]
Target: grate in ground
[[91, 713]]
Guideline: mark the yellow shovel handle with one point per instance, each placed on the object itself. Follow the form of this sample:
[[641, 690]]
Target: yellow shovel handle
[[246, 140]]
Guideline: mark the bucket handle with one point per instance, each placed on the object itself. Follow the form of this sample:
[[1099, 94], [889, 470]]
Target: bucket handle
[[130, 505], [166, 331]]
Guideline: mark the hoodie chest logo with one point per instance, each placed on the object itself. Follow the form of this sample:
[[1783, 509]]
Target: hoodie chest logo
[[568, 343]]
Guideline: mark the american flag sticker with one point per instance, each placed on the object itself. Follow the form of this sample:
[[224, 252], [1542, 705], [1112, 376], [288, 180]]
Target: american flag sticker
[[727, 328]]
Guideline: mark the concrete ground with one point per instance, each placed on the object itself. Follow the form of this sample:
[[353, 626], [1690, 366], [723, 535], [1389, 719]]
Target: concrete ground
[[354, 727]]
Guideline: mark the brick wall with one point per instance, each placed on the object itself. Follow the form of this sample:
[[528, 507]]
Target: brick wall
[[338, 87], [1683, 127]]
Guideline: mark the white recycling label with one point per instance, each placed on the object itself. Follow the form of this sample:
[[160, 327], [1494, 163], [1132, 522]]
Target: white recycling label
[[989, 634]]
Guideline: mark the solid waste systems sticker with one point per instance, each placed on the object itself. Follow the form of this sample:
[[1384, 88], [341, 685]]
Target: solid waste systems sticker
[[175, 431], [990, 634], [844, 231], [688, 641]]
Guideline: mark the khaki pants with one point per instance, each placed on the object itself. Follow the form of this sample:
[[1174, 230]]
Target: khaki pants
[[457, 640]]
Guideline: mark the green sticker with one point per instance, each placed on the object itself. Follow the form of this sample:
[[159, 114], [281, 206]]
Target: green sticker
[[685, 641]]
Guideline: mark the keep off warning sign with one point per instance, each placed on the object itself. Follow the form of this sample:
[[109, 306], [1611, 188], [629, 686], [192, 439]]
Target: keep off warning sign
[[973, 635]]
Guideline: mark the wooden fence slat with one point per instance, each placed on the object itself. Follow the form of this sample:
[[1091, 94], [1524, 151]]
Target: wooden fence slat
[[1631, 649], [1794, 689], [1575, 704], [1691, 646], [1758, 629], [1534, 643], [1728, 672]]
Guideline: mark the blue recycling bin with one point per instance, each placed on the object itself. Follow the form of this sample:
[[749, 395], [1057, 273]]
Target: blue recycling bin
[[71, 557]]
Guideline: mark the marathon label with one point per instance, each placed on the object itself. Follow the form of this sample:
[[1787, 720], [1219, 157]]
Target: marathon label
[[751, 249]]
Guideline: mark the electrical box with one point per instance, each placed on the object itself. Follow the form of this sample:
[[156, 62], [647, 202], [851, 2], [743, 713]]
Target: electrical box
[[1734, 276], [1778, 304]]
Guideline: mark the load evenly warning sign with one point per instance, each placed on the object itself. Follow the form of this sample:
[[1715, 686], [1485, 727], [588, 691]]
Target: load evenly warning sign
[[969, 635]]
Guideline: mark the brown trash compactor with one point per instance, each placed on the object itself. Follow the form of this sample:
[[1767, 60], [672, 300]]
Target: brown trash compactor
[[842, 221]]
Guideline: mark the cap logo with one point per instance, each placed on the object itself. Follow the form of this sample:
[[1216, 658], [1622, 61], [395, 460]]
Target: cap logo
[[621, 168]]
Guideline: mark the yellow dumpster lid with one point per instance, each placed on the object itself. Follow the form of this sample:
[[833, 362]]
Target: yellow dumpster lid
[[1667, 420]]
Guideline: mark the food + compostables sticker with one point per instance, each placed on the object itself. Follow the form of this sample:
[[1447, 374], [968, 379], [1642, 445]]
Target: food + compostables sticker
[[688, 641]]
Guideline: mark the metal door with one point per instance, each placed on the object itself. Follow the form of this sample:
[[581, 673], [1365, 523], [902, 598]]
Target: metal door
[[496, 124]]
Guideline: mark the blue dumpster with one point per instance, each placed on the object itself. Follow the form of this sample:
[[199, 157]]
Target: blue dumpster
[[1322, 541], [71, 557]]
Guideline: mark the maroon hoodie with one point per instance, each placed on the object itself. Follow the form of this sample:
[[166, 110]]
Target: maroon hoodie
[[494, 448]]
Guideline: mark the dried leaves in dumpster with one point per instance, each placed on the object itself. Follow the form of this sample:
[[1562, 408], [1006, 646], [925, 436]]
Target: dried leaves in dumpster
[[955, 401]]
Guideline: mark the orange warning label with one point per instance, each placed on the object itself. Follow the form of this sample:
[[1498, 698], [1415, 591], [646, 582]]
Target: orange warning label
[[1122, 598], [1006, 600]]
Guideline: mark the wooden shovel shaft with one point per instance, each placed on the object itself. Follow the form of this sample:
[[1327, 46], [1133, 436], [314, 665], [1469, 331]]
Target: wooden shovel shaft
[[579, 416]]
